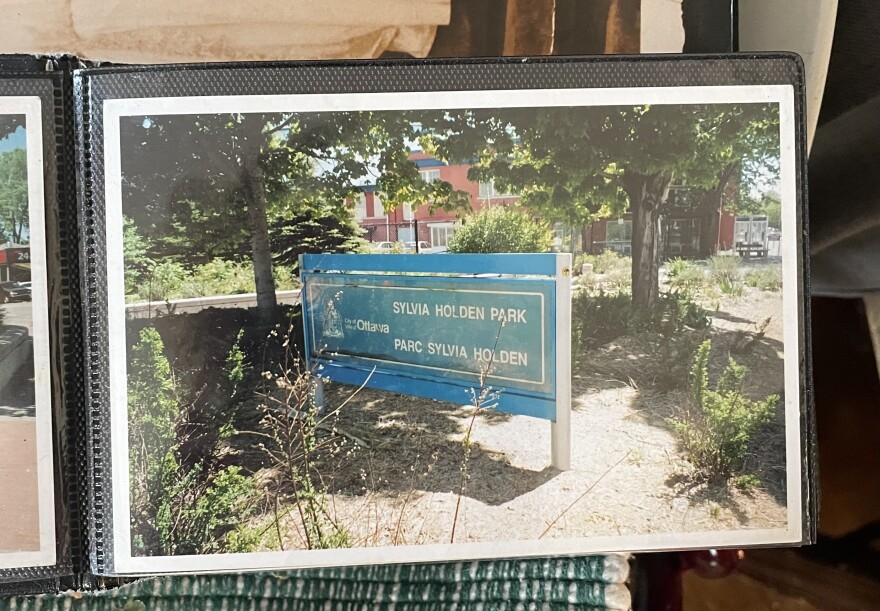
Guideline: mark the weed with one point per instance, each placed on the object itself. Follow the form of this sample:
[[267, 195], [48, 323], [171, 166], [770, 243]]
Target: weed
[[677, 312], [605, 262], [724, 267], [612, 273], [291, 424], [731, 287], [636, 457], [718, 424], [745, 342], [685, 277], [768, 278], [484, 398], [747, 482]]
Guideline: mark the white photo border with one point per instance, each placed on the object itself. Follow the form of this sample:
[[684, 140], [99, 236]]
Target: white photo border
[[31, 108], [115, 109]]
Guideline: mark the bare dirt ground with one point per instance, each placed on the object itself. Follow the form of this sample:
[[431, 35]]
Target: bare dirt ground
[[19, 500], [629, 475]]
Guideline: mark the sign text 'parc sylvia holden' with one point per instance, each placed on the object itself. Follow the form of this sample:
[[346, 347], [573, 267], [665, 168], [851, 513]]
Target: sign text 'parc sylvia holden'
[[458, 327]]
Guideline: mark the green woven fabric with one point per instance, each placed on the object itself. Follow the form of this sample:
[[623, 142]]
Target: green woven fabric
[[562, 583]]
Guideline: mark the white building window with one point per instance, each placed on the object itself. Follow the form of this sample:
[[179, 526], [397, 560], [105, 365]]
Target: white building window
[[441, 233], [430, 176], [407, 212], [360, 207], [378, 207], [618, 236], [488, 191]]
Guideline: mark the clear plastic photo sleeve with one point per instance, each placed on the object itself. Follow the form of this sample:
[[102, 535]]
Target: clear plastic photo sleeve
[[395, 312], [40, 330]]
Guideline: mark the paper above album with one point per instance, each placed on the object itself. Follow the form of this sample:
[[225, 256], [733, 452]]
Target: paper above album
[[173, 32]]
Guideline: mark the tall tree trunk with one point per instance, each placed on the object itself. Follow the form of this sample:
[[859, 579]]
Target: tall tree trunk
[[710, 219], [254, 189], [711, 208], [647, 194]]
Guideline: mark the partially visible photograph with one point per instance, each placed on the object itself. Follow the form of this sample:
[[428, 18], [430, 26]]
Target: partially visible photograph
[[26, 503], [677, 217]]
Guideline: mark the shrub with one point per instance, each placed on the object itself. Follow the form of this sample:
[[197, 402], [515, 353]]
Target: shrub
[[612, 273], [219, 277], [152, 405], [285, 277], [681, 323], [605, 262], [724, 268], [765, 278], [685, 276], [597, 319], [175, 508], [501, 229], [152, 416], [162, 282], [134, 252], [677, 311], [718, 424], [196, 516]]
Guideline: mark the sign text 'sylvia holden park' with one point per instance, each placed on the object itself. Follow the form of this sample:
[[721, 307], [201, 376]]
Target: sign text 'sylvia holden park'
[[431, 325]]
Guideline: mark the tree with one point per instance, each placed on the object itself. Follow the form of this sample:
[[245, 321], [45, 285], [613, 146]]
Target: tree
[[14, 207], [574, 162], [750, 160], [772, 207], [10, 123], [199, 187]]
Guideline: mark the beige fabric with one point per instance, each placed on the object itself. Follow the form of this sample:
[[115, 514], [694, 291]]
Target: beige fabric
[[144, 31], [94, 17], [242, 43], [35, 26]]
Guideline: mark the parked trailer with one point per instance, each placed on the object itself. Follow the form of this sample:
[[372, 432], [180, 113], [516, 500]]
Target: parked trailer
[[751, 236]]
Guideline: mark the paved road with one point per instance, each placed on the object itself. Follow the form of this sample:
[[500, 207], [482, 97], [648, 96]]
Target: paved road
[[17, 397], [19, 498], [19, 313]]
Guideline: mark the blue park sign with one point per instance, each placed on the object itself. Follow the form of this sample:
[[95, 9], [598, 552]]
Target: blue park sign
[[441, 326]]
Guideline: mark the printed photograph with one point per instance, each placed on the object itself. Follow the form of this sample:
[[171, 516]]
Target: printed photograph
[[245, 429], [24, 411]]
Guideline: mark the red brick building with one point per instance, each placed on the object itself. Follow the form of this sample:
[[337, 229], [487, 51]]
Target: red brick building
[[682, 236], [402, 223], [15, 263]]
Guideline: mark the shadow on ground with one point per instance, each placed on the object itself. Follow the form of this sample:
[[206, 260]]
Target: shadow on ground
[[412, 446], [660, 382], [17, 397]]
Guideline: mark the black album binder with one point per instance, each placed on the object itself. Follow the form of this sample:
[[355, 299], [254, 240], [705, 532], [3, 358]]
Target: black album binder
[[43, 398], [227, 396]]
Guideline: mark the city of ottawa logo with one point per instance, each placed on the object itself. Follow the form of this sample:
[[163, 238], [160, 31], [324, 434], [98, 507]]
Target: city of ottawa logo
[[332, 322]]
